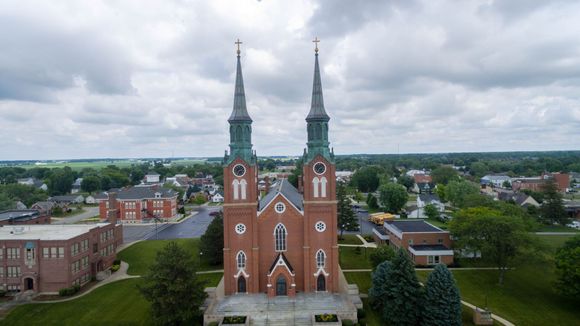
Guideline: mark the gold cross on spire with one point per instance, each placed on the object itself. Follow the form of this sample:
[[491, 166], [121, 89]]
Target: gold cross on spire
[[238, 44], [316, 41]]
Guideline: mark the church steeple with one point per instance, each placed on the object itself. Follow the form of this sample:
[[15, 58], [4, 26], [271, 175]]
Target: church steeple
[[317, 119], [240, 121]]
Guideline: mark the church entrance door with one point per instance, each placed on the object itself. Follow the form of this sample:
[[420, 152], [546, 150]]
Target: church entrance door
[[281, 286], [241, 284], [321, 283]]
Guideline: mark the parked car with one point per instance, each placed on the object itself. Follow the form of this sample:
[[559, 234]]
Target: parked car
[[574, 224], [214, 213]]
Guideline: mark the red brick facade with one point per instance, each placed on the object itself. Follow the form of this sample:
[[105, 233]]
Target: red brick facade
[[136, 210], [37, 259], [299, 270]]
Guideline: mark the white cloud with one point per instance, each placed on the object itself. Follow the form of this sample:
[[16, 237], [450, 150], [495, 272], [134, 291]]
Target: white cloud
[[119, 79]]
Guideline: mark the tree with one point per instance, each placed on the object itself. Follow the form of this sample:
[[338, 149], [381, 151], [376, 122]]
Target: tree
[[296, 173], [402, 305], [552, 210], [366, 179], [568, 268], [457, 191], [393, 197], [173, 288], [498, 237], [432, 212], [199, 199], [60, 181], [381, 254], [346, 217], [212, 241], [380, 285], [372, 201], [444, 174], [479, 169], [440, 191], [406, 181], [442, 304], [91, 183]]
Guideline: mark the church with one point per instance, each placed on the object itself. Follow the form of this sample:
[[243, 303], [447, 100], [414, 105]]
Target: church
[[284, 242]]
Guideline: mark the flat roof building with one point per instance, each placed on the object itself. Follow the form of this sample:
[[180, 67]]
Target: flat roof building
[[47, 258], [425, 243], [24, 216]]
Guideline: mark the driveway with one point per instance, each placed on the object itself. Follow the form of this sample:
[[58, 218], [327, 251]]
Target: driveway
[[192, 227], [90, 211]]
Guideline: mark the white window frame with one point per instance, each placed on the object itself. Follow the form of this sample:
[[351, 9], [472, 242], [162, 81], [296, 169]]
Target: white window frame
[[320, 258], [241, 260], [322, 228], [280, 207], [280, 237], [315, 183], [243, 189], [236, 189], [240, 228], [323, 183]]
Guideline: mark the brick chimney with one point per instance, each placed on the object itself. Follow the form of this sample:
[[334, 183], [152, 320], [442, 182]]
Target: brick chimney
[[267, 181], [113, 211]]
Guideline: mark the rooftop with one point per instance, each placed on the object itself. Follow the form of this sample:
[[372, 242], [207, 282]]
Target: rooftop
[[46, 232], [19, 215], [428, 247], [412, 226], [285, 188]]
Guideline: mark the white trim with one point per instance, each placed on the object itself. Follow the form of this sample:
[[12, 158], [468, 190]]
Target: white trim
[[323, 185], [315, 183], [381, 236], [273, 199], [236, 189], [319, 271], [325, 167], [283, 207], [323, 226], [431, 252], [243, 189], [234, 173], [243, 272], [236, 228], [280, 262]]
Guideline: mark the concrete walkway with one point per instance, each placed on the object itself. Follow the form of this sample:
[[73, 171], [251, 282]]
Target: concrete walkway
[[364, 244]]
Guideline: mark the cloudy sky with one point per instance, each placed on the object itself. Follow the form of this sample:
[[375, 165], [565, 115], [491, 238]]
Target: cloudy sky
[[89, 79]]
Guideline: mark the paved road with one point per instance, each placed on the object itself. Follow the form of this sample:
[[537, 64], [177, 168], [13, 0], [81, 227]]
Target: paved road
[[90, 211], [363, 220], [190, 228]]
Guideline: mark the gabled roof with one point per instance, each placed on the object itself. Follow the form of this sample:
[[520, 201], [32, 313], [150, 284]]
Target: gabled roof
[[287, 190], [282, 257]]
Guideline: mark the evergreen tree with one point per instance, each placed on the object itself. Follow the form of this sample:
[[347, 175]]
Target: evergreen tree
[[212, 241], [346, 217], [173, 289], [403, 300], [442, 304], [552, 210], [381, 283]]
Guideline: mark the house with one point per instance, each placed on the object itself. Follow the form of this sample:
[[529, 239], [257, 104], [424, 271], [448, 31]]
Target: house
[[39, 184], [344, 176], [139, 204], [47, 258], [90, 200], [562, 181], [424, 200], [179, 180], [152, 177], [423, 188], [496, 181], [24, 216], [45, 207], [425, 243], [67, 200], [76, 186], [412, 173], [218, 197], [20, 205]]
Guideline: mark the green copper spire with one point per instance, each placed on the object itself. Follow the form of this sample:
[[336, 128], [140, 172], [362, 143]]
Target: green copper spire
[[317, 119], [240, 121]]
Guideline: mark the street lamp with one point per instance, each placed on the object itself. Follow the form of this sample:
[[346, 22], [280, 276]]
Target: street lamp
[[200, 255]]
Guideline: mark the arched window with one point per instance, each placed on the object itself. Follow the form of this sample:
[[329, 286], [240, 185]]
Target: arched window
[[239, 134], [232, 136], [247, 138], [323, 187], [243, 187], [325, 133], [318, 132], [320, 258], [310, 132], [280, 237], [242, 284], [241, 260], [315, 183], [236, 189]]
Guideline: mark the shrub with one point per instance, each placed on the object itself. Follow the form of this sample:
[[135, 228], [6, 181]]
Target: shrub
[[326, 318], [117, 261], [115, 268], [65, 292], [234, 320], [360, 313]]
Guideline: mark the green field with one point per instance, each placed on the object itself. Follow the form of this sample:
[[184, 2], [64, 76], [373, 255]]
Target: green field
[[141, 255], [97, 165], [350, 239], [351, 258]]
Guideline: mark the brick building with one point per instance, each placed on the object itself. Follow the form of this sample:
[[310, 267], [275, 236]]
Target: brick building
[[425, 243], [285, 242], [562, 180], [139, 204], [24, 216], [47, 258]]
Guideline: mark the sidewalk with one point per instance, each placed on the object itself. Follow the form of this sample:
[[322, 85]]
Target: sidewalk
[[364, 244]]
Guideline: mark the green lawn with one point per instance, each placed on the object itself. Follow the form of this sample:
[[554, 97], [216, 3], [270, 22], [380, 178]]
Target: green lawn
[[349, 239], [556, 228], [74, 211], [118, 303], [140, 255], [351, 258]]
